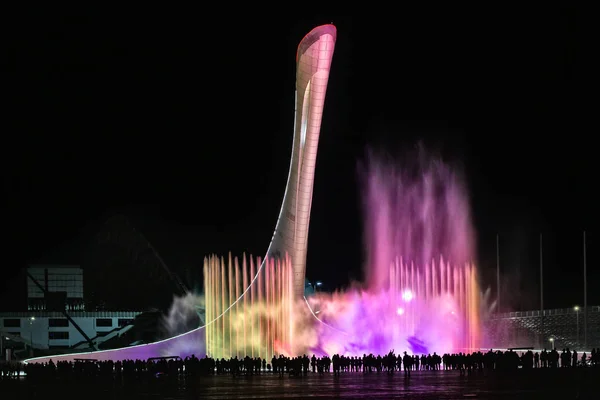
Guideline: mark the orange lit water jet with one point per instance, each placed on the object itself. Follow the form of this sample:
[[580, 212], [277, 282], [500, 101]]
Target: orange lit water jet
[[250, 318]]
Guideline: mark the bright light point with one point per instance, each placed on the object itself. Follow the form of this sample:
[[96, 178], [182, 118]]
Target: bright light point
[[318, 311], [32, 318], [407, 295], [400, 311], [551, 339], [576, 308], [319, 283]]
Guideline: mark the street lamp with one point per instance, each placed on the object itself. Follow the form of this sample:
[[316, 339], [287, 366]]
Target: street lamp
[[552, 341], [31, 321], [317, 284], [576, 308]]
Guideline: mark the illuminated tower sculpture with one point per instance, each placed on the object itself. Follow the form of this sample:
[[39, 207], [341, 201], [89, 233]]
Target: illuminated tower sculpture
[[313, 62]]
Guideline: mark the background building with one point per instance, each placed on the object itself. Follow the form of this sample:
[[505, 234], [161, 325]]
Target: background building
[[56, 320], [128, 290], [53, 288], [52, 330]]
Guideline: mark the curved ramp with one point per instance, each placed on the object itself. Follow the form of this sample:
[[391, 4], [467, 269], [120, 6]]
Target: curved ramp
[[183, 345]]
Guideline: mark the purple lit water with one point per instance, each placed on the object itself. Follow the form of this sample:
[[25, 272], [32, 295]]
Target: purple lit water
[[420, 292]]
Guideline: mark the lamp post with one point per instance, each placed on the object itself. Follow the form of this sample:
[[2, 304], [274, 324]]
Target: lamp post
[[317, 284], [31, 321], [552, 341], [576, 308], [318, 304]]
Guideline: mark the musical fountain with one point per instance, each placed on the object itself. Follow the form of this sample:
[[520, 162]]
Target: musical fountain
[[420, 292], [412, 299]]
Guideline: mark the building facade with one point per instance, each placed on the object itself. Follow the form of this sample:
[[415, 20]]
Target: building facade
[[56, 319], [51, 330], [313, 63], [53, 286]]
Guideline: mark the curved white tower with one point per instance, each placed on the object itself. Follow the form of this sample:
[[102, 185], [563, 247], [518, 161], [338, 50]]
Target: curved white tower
[[313, 62]]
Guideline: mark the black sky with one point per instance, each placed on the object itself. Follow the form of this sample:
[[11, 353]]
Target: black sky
[[185, 125]]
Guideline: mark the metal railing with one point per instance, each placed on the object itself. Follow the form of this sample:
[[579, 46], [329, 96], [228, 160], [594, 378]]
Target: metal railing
[[545, 313], [73, 314]]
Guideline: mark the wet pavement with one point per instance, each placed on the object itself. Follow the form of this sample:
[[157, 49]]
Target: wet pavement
[[543, 384]]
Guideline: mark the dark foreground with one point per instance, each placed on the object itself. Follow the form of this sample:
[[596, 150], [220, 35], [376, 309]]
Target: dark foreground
[[581, 383]]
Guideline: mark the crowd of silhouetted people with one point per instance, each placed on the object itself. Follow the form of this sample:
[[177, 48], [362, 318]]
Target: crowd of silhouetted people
[[390, 363]]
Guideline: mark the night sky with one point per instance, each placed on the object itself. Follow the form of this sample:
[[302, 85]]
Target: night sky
[[185, 125]]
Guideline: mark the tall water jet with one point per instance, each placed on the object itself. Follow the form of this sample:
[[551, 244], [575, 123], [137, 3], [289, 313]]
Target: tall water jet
[[421, 289], [248, 318], [419, 211]]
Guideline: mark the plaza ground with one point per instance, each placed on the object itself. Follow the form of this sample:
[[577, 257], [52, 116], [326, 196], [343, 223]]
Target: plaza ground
[[535, 384]]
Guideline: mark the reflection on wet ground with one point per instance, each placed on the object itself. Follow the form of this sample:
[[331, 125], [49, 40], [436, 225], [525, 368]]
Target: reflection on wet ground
[[536, 384]]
